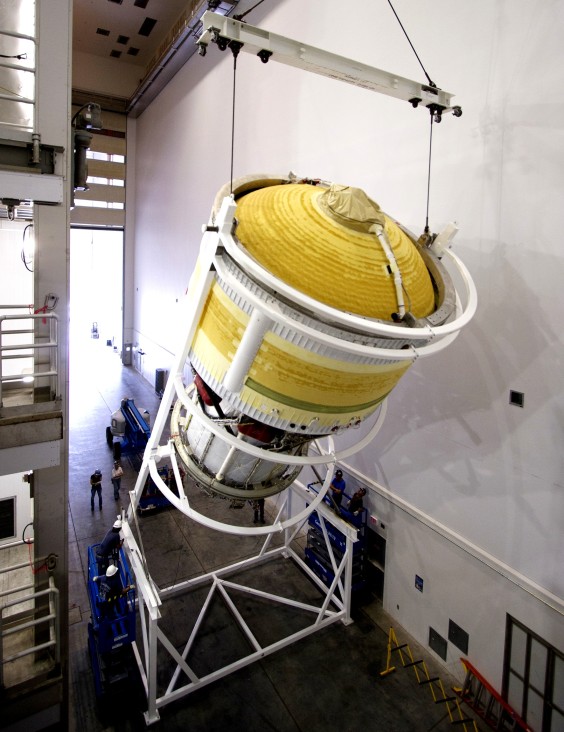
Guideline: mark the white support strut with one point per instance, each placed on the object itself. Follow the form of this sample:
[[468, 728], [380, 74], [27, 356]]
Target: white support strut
[[223, 30], [180, 679]]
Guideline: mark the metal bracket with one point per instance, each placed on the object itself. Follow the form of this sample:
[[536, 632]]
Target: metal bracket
[[28, 157]]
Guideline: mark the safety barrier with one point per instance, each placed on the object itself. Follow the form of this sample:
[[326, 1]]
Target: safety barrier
[[41, 375], [434, 683], [35, 611]]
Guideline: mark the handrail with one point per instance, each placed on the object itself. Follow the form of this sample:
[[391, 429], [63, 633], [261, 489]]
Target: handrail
[[16, 307], [10, 351], [20, 624], [21, 69]]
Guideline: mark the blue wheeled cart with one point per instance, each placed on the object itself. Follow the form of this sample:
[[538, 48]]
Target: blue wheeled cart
[[111, 631], [151, 498]]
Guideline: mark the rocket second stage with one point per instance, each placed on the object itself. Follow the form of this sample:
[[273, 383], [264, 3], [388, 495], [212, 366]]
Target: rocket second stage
[[310, 304]]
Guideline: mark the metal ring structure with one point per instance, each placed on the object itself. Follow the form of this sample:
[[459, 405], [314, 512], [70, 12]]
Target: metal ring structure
[[268, 305]]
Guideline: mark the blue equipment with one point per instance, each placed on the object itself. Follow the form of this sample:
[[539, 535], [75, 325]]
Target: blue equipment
[[111, 630], [131, 428], [151, 498], [316, 553]]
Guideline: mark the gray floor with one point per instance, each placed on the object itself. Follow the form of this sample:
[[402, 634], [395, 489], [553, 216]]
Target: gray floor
[[329, 681]]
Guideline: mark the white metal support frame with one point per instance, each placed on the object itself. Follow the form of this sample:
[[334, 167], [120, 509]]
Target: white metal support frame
[[209, 262], [334, 604], [218, 239]]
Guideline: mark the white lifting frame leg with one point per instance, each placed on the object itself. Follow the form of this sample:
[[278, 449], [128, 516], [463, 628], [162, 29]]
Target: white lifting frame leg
[[177, 679]]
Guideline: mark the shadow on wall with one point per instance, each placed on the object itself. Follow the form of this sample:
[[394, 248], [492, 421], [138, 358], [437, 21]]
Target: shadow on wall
[[452, 397]]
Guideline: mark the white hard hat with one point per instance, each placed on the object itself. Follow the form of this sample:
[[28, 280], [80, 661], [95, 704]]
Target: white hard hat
[[117, 524], [112, 569]]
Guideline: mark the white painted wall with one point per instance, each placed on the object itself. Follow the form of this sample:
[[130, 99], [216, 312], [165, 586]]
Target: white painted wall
[[452, 447], [104, 75], [462, 583]]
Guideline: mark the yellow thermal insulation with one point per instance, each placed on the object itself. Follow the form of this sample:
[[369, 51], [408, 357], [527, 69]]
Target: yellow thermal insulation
[[288, 230], [285, 375], [300, 376]]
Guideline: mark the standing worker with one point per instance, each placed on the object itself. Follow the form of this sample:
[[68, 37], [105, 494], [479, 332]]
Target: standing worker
[[337, 487], [117, 472], [258, 509], [109, 548], [96, 487], [356, 504]]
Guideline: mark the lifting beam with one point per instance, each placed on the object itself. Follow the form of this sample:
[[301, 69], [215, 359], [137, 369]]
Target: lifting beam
[[228, 32]]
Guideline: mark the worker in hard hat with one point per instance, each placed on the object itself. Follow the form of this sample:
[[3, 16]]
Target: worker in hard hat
[[110, 546], [96, 488], [111, 589]]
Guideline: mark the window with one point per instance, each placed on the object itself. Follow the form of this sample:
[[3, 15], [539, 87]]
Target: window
[[103, 203], [7, 518], [100, 204], [533, 678], [106, 157], [105, 181]]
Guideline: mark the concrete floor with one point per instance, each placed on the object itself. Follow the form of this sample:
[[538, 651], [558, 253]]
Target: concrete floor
[[328, 681]]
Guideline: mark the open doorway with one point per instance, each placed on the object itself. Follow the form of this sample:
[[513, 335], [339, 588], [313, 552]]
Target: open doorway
[[96, 287]]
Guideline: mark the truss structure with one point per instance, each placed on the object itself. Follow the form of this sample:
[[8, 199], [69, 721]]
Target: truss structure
[[182, 679]]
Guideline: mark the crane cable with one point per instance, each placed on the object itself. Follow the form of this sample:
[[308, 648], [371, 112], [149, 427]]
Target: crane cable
[[240, 17], [235, 48], [235, 54], [429, 174], [431, 83]]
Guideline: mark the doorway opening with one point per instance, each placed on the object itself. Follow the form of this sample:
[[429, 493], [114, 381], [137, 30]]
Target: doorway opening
[[96, 288], [533, 678]]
